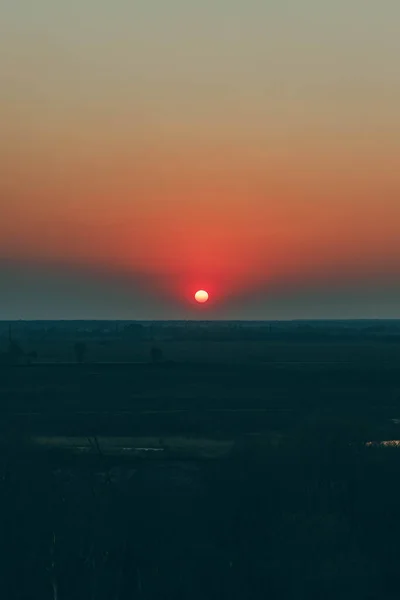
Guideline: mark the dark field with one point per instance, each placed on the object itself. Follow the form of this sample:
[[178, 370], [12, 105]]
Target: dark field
[[235, 461]]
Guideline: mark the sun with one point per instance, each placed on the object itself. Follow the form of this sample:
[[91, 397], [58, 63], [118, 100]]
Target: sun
[[201, 296]]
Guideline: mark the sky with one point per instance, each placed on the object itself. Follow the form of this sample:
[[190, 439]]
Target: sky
[[152, 148]]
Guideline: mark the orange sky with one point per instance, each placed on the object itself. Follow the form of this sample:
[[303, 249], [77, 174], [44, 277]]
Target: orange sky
[[204, 149]]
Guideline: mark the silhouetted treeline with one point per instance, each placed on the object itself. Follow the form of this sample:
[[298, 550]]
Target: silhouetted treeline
[[291, 331]]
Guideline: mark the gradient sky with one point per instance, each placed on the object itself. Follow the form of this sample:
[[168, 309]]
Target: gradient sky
[[149, 148]]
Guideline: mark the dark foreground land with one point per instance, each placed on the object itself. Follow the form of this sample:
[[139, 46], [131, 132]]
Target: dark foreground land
[[198, 462]]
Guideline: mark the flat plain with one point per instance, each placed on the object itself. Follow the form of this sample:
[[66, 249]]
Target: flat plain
[[210, 468]]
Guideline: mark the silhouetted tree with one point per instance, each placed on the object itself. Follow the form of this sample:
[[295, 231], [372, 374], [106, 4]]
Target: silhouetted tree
[[31, 357], [156, 355], [80, 350], [15, 352]]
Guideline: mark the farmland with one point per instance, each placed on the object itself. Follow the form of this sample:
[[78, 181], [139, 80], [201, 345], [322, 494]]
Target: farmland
[[215, 468]]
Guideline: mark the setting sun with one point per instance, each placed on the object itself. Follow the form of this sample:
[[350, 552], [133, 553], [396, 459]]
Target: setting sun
[[201, 296]]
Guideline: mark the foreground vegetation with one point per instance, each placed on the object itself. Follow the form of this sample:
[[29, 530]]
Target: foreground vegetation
[[315, 516], [262, 482]]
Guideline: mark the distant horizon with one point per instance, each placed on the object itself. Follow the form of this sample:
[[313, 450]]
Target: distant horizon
[[83, 320]]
